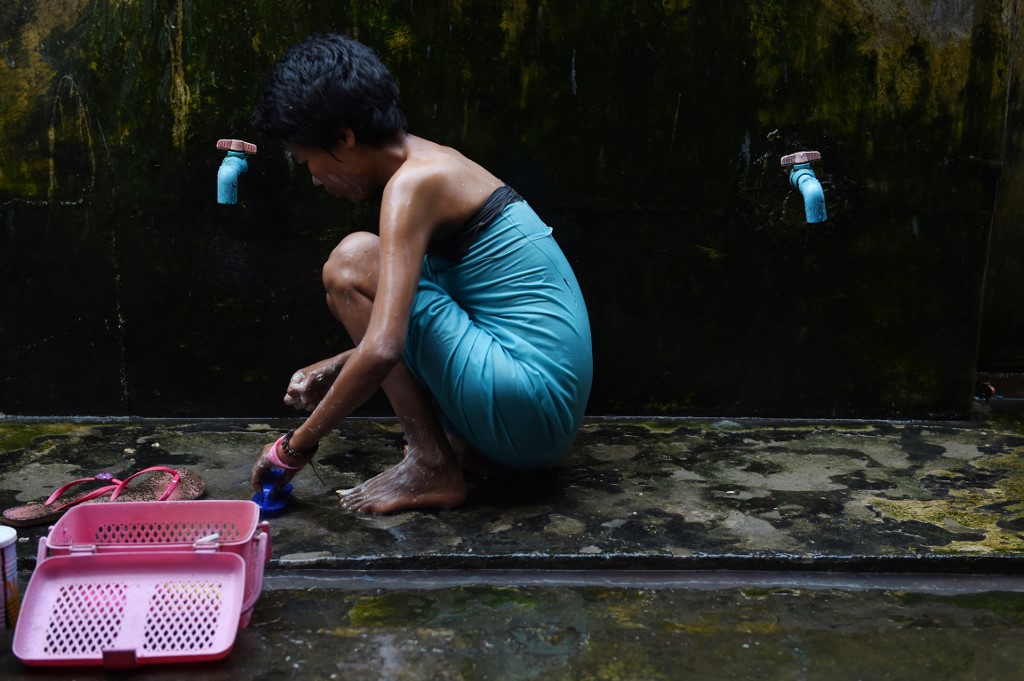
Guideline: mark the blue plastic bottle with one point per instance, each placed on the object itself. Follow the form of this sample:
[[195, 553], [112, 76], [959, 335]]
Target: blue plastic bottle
[[269, 501]]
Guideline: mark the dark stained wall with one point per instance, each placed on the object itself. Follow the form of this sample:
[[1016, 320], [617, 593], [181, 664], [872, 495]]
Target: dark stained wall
[[647, 133], [1002, 333]]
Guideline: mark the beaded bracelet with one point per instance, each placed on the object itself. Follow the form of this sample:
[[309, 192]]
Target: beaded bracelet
[[275, 458], [286, 446]]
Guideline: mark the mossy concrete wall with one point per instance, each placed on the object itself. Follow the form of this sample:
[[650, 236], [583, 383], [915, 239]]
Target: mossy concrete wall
[[647, 133]]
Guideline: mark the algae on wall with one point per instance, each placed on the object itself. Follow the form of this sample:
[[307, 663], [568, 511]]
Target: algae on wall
[[647, 134]]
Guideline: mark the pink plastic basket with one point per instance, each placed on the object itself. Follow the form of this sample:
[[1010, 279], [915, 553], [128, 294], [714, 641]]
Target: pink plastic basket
[[156, 526], [122, 610]]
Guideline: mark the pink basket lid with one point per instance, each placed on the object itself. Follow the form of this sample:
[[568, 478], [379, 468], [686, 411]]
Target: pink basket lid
[[121, 610]]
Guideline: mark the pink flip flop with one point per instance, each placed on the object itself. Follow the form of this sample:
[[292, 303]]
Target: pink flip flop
[[182, 485], [165, 484]]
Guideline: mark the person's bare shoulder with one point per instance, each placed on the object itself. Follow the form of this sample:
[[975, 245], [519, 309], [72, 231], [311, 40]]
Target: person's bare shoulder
[[440, 185]]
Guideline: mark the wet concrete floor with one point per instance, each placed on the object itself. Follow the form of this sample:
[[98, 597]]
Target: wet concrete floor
[[660, 549]]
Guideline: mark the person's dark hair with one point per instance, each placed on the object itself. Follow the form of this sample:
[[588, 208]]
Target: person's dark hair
[[326, 83]]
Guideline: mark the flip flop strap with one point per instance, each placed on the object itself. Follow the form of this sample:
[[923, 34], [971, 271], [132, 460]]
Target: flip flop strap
[[175, 477], [59, 492]]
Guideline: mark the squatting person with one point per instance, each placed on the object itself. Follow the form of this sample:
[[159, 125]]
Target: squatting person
[[462, 307]]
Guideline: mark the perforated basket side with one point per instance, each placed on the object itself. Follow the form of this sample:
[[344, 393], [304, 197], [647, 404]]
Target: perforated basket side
[[255, 562], [183, 617], [122, 531], [84, 620], [155, 523]]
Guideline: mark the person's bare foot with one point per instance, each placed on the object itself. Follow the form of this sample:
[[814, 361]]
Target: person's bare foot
[[412, 483]]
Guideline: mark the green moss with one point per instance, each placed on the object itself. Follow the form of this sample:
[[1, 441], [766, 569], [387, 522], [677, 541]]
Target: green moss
[[401, 41], [1012, 485], [625, 615], [707, 252], [399, 609], [1007, 605], [625, 670], [967, 508], [21, 435], [979, 509], [715, 623], [756, 594], [497, 597], [514, 18], [179, 94], [1010, 606], [379, 611]]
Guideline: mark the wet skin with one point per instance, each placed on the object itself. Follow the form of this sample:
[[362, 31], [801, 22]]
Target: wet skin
[[370, 282]]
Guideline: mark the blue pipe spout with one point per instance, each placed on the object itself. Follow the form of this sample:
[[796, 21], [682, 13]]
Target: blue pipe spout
[[231, 168], [802, 177], [233, 165]]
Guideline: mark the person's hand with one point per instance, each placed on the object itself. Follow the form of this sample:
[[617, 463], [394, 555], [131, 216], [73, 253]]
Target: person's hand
[[261, 471], [308, 386]]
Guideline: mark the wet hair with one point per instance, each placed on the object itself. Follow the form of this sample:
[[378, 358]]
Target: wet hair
[[324, 84]]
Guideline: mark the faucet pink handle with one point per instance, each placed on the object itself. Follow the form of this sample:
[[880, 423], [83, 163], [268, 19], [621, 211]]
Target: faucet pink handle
[[236, 145], [800, 157]]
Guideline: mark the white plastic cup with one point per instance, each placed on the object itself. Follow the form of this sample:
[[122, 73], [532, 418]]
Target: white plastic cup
[[9, 572]]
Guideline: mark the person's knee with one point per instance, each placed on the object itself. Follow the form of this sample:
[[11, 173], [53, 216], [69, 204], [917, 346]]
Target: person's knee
[[353, 263]]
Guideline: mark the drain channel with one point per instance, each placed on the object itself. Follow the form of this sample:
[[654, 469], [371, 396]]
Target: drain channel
[[696, 580]]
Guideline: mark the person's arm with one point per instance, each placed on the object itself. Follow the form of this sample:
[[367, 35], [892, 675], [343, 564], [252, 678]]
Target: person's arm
[[308, 385], [406, 224]]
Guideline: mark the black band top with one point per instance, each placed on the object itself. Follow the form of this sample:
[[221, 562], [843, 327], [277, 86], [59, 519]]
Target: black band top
[[455, 246]]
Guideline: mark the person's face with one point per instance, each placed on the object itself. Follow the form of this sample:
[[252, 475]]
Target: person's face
[[335, 171]]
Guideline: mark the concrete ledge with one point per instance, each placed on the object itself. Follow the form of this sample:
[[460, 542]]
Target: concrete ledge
[[634, 494]]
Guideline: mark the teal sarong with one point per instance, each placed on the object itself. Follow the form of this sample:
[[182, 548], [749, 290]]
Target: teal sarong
[[501, 340]]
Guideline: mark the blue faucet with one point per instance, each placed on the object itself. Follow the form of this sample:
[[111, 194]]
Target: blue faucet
[[233, 165], [802, 177]]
